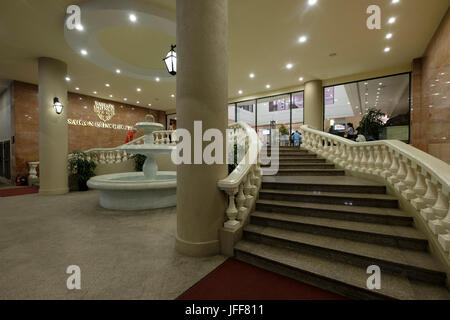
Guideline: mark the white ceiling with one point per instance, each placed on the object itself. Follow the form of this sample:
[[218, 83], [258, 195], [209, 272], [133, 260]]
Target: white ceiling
[[263, 38]]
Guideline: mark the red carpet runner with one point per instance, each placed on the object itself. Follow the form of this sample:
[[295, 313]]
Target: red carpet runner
[[236, 280], [17, 191]]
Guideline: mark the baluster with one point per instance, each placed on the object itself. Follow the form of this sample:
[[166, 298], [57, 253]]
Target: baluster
[[166, 139], [356, 161], [401, 174], [410, 182], [32, 172], [349, 162], [378, 160], [393, 179], [444, 237], [371, 160], [88, 156], [231, 211], [102, 157], [440, 211], [363, 162], [386, 163], [241, 199], [343, 158], [248, 192], [118, 156], [429, 198], [420, 189]]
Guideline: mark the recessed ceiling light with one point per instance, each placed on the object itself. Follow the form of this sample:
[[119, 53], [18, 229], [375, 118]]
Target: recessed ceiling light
[[387, 49], [117, 70], [289, 66], [240, 92], [172, 95], [392, 20], [110, 95], [132, 17], [138, 102], [380, 84], [84, 52], [302, 39], [85, 107], [252, 75], [125, 99], [395, 1], [107, 84], [300, 79], [149, 104], [268, 86], [157, 79], [95, 92], [77, 88], [312, 2], [67, 78], [389, 36], [138, 89]]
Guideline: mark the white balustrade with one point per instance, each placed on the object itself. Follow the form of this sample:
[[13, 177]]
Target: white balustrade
[[419, 178]]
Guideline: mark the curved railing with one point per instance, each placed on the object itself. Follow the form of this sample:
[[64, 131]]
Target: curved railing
[[113, 155], [420, 179], [243, 184]]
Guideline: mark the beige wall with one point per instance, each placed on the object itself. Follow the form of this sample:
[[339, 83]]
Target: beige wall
[[430, 127]]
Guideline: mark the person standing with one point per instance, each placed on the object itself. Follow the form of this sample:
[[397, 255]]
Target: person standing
[[297, 138], [130, 135], [351, 131]]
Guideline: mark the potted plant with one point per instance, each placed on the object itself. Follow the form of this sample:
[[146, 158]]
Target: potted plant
[[139, 160], [284, 133], [80, 171], [371, 124]]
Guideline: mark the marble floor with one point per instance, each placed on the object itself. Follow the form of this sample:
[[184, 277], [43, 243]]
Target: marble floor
[[121, 255]]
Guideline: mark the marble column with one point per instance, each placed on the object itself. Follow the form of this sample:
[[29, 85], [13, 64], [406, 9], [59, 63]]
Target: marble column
[[314, 104], [53, 139], [202, 95]]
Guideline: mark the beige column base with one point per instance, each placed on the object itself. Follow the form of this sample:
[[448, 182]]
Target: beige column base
[[197, 249], [53, 192]]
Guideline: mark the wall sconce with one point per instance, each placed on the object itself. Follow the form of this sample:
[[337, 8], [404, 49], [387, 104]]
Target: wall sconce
[[57, 105], [171, 61]]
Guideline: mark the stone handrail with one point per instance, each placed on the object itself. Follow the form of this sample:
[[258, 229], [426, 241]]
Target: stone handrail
[[245, 180], [112, 155], [419, 178]]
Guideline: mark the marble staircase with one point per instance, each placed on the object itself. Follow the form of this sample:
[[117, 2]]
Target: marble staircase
[[316, 225]]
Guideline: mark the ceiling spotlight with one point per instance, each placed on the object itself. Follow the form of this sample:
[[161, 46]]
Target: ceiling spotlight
[[395, 1], [110, 95], [77, 88], [387, 49], [302, 39], [138, 102], [117, 70], [132, 18], [125, 99], [268, 86], [172, 95], [392, 20], [84, 52], [252, 75], [312, 2], [157, 79], [300, 79], [107, 84], [138, 89], [240, 92], [67, 78], [149, 104], [289, 66], [380, 84], [95, 92], [389, 36]]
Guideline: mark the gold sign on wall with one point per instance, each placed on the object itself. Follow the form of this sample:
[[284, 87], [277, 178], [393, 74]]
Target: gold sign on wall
[[105, 111]]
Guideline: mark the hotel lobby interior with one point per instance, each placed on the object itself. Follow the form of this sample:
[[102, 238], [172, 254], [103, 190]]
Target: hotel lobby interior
[[328, 123]]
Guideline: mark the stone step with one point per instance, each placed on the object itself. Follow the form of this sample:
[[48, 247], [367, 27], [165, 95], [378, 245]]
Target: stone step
[[338, 277], [310, 172], [388, 235], [283, 183], [352, 213], [337, 198], [291, 165], [418, 265], [296, 161]]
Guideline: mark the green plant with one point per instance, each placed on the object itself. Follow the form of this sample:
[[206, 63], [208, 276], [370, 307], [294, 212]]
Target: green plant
[[139, 160], [371, 124], [80, 169], [283, 131]]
